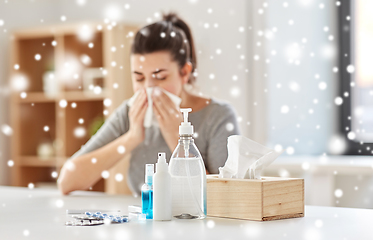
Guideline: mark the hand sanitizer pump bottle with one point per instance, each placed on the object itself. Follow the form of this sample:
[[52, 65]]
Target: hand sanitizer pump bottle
[[147, 192], [188, 175]]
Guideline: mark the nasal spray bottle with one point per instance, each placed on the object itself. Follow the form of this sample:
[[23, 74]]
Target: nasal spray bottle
[[147, 192], [162, 190], [188, 175]]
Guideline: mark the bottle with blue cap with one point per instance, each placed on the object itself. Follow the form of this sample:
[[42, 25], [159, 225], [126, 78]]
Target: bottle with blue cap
[[147, 192], [188, 175]]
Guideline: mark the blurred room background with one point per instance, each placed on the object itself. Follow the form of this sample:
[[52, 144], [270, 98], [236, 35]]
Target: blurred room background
[[296, 71]]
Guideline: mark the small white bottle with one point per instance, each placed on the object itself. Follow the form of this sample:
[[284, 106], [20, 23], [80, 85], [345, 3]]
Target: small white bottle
[[162, 204]]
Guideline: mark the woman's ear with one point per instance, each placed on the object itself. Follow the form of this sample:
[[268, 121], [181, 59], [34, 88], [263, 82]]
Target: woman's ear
[[186, 71]]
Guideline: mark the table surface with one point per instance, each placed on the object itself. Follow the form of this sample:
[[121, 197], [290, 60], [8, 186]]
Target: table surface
[[41, 214]]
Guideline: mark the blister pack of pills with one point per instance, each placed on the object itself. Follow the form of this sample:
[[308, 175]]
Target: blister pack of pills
[[97, 218]]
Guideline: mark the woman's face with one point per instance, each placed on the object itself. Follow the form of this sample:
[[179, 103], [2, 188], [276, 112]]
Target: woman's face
[[158, 69]]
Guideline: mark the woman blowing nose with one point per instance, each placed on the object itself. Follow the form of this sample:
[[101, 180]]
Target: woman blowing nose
[[163, 59]]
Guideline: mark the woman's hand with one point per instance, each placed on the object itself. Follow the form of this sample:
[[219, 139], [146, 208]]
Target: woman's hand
[[168, 116], [136, 117]]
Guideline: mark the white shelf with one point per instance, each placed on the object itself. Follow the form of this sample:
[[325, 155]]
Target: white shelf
[[347, 165], [35, 161]]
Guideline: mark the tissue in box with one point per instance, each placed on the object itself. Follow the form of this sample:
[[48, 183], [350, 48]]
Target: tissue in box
[[264, 199]]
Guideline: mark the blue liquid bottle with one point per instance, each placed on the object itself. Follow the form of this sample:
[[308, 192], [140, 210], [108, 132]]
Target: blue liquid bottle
[[147, 192]]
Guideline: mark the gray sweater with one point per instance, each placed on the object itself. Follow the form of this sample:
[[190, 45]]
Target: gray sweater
[[212, 126]]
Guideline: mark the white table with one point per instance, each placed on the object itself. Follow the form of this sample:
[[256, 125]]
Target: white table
[[41, 214]]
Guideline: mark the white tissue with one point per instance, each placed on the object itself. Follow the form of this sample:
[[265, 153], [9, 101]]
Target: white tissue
[[150, 119], [246, 158]]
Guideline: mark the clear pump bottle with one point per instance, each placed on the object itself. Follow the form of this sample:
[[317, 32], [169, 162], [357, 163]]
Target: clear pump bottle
[[147, 192], [188, 175]]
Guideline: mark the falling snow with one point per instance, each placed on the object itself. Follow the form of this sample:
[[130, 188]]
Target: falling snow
[[229, 127], [283, 173], [7, 130], [59, 203], [350, 68], [319, 223], [37, 57], [85, 59], [80, 132], [105, 174], [351, 135], [305, 166], [337, 144], [285, 109], [294, 86], [210, 224], [107, 102], [278, 148], [235, 92], [338, 101], [290, 150], [26, 232], [10, 163], [54, 174], [63, 103], [70, 166], [118, 177], [97, 90], [121, 149], [322, 85], [338, 193]]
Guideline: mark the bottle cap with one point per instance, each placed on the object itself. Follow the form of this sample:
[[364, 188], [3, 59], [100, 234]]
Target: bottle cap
[[149, 172], [186, 128], [161, 163], [161, 157]]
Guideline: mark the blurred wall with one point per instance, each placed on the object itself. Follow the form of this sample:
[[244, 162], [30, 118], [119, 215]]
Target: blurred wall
[[302, 49]]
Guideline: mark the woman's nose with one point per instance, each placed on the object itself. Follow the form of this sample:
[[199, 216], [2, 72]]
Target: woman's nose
[[150, 83]]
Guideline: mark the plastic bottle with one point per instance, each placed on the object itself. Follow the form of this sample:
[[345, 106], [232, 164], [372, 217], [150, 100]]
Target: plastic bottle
[[147, 192], [162, 190], [188, 175]]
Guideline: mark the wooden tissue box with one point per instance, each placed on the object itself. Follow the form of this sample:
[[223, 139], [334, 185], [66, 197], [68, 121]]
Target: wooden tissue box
[[267, 199]]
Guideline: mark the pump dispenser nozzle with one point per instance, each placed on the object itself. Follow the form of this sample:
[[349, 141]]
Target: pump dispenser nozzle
[[162, 165], [161, 157], [149, 173], [186, 127], [185, 112]]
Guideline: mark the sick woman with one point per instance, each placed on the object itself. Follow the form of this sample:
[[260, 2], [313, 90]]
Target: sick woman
[[163, 58]]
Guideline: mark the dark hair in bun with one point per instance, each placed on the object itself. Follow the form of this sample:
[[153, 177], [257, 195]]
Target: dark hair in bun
[[170, 34]]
